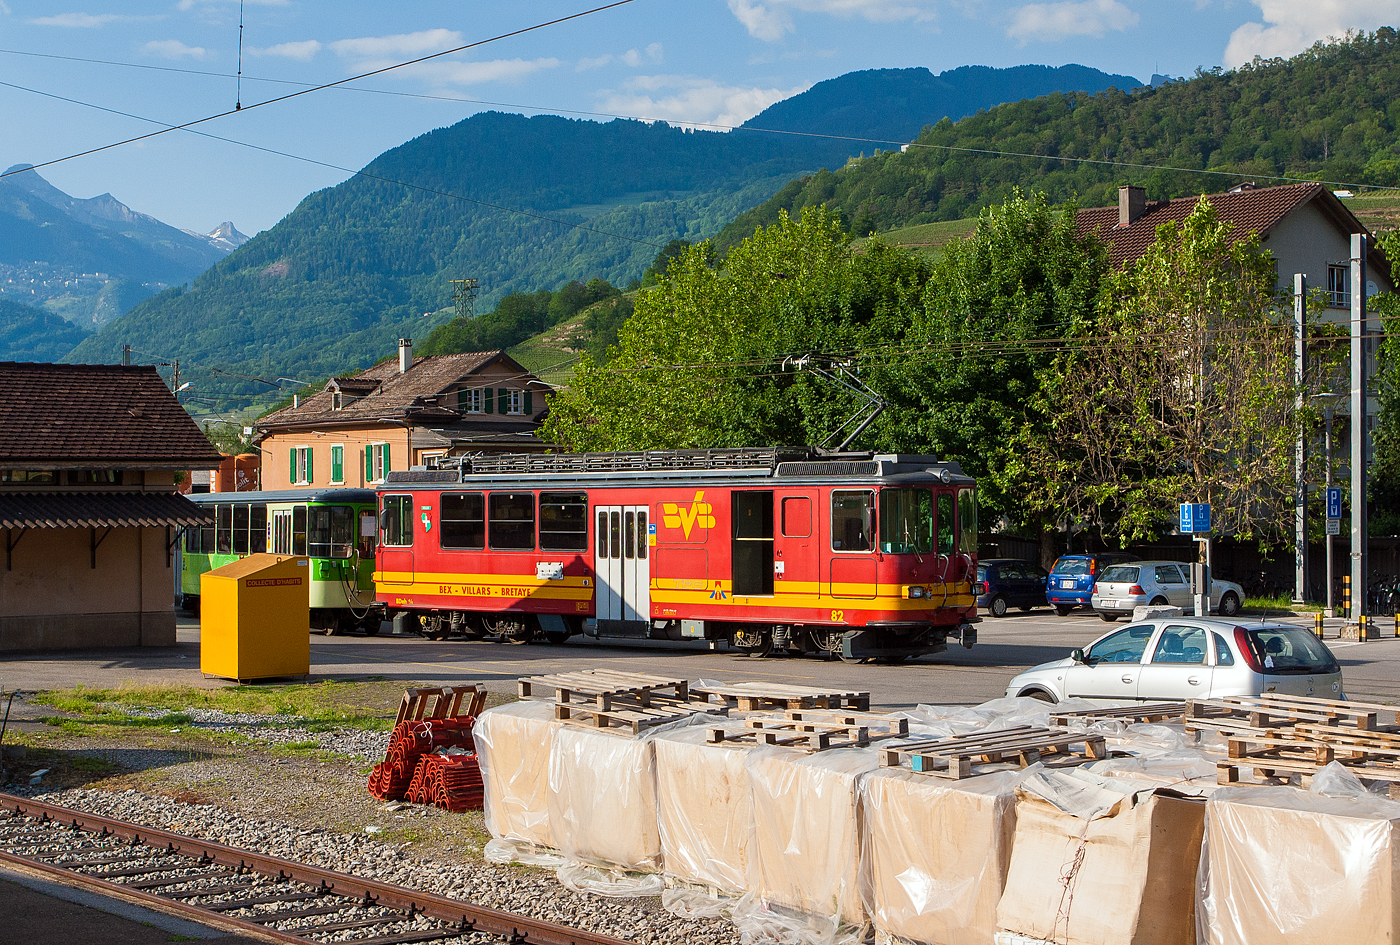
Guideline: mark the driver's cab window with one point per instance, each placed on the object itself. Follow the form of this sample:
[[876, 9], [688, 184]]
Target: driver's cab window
[[1181, 645], [1125, 646], [396, 521], [852, 521], [946, 539]]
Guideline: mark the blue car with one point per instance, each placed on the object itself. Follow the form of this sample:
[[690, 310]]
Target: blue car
[[1009, 582], [1071, 580]]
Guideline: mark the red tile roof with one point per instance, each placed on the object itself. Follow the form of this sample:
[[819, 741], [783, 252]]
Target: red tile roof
[[99, 415], [390, 395], [1251, 210]]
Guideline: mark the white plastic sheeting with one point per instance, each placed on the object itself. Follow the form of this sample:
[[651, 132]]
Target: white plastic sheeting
[[704, 812], [602, 799], [512, 747], [1282, 865]]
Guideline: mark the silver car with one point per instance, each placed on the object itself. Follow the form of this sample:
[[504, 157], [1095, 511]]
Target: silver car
[[1173, 658], [1123, 587]]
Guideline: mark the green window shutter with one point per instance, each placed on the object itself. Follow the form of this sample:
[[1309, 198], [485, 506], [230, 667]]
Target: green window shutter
[[292, 467], [462, 400], [385, 448], [504, 395], [529, 402], [488, 400], [337, 463], [309, 464], [369, 464]]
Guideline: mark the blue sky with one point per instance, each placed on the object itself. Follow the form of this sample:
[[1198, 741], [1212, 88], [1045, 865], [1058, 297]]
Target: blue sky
[[679, 60]]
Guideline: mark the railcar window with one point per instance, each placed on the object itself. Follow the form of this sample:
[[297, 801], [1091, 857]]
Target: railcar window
[[223, 529], [396, 521], [563, 521], [240, 529], [318, 532], [615, 538], [299, 530], [946, 535], [906, 521], [257, 529], [797, 516], [463, 521], [643, 536], [852, 521], [512, 521], [602, 534], [206, 534], [967, 520], [628, 543]]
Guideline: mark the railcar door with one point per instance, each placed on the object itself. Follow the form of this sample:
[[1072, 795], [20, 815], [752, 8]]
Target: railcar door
[[622, 565]]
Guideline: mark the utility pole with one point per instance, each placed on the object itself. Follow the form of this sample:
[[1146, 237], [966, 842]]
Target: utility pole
[[1359, 385], [464, 296], [1300, 511], [126, 355], [1327, 446], [175, 379]]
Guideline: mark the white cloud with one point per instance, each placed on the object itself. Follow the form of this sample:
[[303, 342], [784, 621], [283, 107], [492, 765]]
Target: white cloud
[[631, 57], [1291, 26], [79, 20], [1052, 22], [684, 100], [401, 45], [770, 20], [303, 50], [445, 72], [174, 49]]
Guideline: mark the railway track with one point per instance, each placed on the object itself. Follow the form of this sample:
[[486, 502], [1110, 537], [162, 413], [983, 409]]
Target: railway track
[[241, 891]]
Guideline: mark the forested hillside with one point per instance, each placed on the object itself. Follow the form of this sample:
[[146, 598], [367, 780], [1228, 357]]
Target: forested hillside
[[358, 265], [1331, 113], [32, 334]]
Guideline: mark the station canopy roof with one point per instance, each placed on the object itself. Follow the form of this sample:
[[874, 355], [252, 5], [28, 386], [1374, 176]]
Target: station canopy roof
[[98, 510]]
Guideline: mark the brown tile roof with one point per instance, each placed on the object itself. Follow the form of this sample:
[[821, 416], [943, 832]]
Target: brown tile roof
[[1251, 210], [394, 396], [98, 415], [97, 510]]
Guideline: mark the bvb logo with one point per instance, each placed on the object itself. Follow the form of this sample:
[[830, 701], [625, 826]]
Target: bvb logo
[[685, 519]]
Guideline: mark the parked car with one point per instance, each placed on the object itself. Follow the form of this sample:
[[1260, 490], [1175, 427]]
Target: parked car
[[1071, 580], [1009, 582], [1174, 658], [1123, 587]]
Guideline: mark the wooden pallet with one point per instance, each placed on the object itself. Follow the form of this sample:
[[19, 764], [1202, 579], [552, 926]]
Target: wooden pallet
[[873, 721], [756, 696], [1147, 712], [1277, 711], [604, 687], [801, 734], [1023, 745], [446, 703], [659, 710]]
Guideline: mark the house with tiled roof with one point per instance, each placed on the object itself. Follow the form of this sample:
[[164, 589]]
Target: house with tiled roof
[[1306, 227], [399, 414], [88, 507]]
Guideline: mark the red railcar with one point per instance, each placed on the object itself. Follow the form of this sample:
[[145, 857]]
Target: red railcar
[[854, 555]]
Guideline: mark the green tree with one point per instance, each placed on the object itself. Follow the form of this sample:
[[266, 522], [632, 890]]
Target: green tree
[[1383, 511], [700, 364], [1182, 391], [1023, 278]]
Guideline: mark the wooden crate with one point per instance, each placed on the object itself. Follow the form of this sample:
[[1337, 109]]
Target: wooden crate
[[1024, 746], [1147, 712], [754, 696], [440, 703]]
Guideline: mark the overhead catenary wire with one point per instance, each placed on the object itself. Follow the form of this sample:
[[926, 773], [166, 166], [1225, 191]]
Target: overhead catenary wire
[[715, 126], [327, 85]]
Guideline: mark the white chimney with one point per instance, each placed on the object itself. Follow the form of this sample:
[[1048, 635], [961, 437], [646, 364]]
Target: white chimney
[[1132, 204], [405, 355]]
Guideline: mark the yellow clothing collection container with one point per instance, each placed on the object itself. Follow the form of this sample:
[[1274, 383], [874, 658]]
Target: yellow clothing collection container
[[255, 618]]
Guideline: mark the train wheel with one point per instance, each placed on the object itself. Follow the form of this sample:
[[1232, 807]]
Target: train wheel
[[370, 626], [514, 632], [753, 643], [435, 627]]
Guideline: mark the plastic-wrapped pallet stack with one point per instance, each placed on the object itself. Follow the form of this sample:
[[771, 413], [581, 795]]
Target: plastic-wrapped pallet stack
[[1097, 861], [512, 746], [936, 853], [602, 798], [1282, 865]]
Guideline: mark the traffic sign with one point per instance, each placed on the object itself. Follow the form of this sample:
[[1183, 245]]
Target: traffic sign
[[1195, 517], [1334, 526], [1334, 502]]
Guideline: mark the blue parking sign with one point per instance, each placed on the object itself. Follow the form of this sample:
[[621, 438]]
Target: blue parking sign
[[1334, 502], [1195, 517]]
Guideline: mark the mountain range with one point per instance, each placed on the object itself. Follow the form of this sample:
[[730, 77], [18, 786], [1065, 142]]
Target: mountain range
[[90, 260], [521, 204]]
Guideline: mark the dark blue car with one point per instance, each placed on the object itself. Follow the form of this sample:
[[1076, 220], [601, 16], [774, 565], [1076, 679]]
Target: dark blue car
[[1009, 582], [1071, 580]]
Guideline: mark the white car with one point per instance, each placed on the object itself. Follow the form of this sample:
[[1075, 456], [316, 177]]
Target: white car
[[1123, 587], [1170, 659]]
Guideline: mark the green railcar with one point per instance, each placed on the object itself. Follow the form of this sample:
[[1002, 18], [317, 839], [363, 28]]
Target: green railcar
[[335, 528]]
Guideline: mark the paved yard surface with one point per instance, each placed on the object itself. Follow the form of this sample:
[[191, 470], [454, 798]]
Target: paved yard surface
[[957, 677]]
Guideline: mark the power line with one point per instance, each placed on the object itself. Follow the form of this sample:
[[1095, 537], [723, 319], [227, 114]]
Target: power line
[[297, 157], [327, 85], [716, 126]]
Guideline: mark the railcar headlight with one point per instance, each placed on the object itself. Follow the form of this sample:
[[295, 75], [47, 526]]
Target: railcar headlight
[[916, 593]]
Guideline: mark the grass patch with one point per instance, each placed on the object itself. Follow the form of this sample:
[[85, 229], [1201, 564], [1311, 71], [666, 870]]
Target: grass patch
[[1278, 604], [321, 705]]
